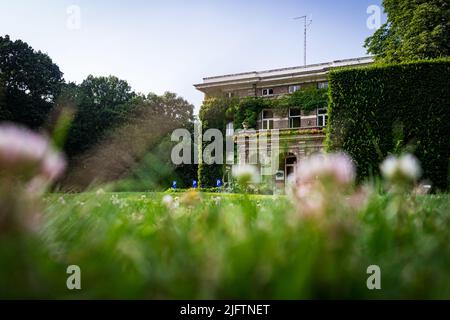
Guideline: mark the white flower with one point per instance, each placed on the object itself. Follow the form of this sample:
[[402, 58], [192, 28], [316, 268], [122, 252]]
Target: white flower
[[410, 166], [115, 199], [389, 167], [406, 167], [246, 173], [168, 201]]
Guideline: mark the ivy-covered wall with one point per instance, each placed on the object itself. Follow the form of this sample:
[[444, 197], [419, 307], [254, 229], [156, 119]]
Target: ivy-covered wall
[[378, 110], [217, 112], [248, 109]]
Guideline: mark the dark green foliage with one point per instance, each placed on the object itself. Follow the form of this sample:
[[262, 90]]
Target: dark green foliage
[[102, 104], [208, 173], [415, 30], [214, 114], [31, 82], [382, 109], [247, 111], [308, 99], [4, 112]]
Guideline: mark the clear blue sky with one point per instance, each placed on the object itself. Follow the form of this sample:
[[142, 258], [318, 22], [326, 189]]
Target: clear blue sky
[[169, 45]]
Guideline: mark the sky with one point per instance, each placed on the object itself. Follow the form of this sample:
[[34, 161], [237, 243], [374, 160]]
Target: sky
[[169, 45]]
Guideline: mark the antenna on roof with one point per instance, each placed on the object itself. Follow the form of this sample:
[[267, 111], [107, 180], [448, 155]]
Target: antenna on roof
[[306, 25]]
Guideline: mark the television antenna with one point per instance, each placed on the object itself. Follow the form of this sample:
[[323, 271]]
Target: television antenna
[[307, 23]]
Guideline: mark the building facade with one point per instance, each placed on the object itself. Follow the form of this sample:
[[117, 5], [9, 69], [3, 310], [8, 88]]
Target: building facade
[[300, 133]]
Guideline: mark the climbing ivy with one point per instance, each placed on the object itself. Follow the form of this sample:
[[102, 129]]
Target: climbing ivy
[[378, 110], [217, 112], [248, 109], [214, 114]]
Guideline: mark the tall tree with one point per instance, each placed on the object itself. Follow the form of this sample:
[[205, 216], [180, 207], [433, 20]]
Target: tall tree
[[4, 113], [102, 104], [31, 83], [415, 29]]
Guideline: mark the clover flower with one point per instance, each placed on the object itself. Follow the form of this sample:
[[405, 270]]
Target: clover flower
[[336, 167], [27, 155], [405, 168], [167, 201], [321, 182], [245, 174], [28, 164]]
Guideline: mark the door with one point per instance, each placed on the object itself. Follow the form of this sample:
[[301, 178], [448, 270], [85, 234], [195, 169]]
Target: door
[[290, 165]]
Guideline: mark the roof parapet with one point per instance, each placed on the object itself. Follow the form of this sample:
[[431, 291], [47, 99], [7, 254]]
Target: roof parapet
[[256, 75]]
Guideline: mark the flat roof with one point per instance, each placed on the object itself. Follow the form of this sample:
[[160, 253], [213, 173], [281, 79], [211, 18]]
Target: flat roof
[[283, 72]]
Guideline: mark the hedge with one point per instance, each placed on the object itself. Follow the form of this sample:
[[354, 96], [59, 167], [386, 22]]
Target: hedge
[[382, 109]]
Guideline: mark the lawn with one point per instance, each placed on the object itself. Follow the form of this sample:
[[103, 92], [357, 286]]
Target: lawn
[[196, 246]]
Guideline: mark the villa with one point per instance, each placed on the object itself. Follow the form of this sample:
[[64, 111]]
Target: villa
[[306, 134]]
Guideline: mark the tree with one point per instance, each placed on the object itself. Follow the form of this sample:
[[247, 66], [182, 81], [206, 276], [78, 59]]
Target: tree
[[31, 83], [416, 29], [137, 149], [102, 104], [4, 113]]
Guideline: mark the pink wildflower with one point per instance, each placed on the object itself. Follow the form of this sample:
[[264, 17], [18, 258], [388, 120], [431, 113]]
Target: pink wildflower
[[27, 154]]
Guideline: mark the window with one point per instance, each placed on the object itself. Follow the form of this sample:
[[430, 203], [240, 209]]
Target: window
[[322, 117], [294, 118], [322, 85], [294, 88], [267, 120], [267, 92], [229, 94], [247, 149]]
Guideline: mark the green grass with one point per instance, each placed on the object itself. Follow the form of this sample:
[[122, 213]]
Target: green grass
[[227, 246]]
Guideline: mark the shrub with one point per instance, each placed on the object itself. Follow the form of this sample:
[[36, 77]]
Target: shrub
[[383, 109]]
